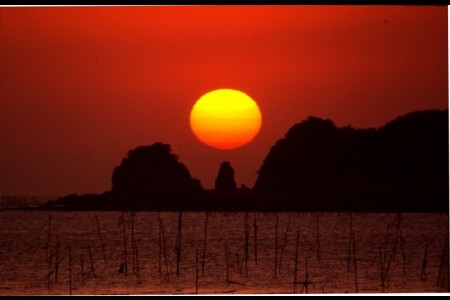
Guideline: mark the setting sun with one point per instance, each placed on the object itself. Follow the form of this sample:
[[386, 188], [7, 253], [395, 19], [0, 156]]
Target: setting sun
[[225, 119]]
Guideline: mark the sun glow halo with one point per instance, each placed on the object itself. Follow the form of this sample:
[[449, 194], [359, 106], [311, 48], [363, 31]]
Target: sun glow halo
[[225, 119]]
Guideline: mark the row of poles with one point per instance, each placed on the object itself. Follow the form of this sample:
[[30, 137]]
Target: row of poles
[[53, 257]]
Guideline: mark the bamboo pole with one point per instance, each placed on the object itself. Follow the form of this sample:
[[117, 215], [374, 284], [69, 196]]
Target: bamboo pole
[[318, 237], [49, 269], [354, 262], [284, 242], [101, 239], [227, 278], [165, 252], [306, 282], [133, 254], [92, 262], [138, 270], [391, 257], [48, 235], [70, 272], [442, 263], [296, 262], [403, 254], [399, 229], [124, 246], [57, 259], [385, 275], [160, 245], [82, 267], [276, 245], [386, 241], [246, 233], [196, 270], [350, 242], [255, 238], [423, 273], [204, 244], [178, 243], [381, 270]]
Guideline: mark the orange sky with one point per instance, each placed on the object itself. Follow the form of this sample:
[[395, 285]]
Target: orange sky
[[80, 86]]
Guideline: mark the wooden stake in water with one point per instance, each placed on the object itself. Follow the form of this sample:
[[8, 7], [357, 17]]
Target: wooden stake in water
[[354, 262], [92, 262], [204, 244], [178, 243], [306, 281], [391, 257], [386, 242], [48, 235], [246, 234], [255, 237], [165, 252], [49, 269], [82, 267], [284, 242], [350, 242], [296, 263], [423, 273], [318, 237], [403, 254], [160, 245], [57, 259], [381, 269], [385, 275], [70, 272], [101, 239], [138, 270], [133, 254], [196, 270], [399, 232], [276, 246], [227, 278], [442, 263], [124, 247]]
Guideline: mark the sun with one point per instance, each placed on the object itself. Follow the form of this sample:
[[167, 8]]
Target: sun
[[225, 119]]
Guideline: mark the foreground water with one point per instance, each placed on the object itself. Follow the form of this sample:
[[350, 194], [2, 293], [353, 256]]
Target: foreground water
[[411, 257]]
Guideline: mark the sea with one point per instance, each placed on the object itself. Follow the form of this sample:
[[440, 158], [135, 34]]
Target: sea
[[178, 253]]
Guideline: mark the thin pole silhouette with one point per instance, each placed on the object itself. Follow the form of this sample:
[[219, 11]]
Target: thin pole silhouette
[[48, 235], [70, 272], [276, 245], [101, 239], [204, 243], [296, 262], [255, 238], [124, 247]]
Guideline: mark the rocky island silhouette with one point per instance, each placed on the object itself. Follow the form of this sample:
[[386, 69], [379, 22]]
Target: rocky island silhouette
[[402, 166]]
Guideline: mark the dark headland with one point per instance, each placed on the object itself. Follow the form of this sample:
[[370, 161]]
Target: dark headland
[[402, 166]]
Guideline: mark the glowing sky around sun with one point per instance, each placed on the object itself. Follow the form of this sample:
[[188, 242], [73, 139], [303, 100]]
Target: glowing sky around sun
[[80, 86]]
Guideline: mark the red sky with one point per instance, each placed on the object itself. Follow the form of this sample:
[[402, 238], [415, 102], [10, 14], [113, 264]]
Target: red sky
[[80, 86]]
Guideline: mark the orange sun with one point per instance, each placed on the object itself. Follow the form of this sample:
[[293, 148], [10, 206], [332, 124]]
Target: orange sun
[[225, 119]]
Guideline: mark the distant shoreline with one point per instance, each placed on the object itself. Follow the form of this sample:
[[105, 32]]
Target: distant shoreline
[[248, 200]]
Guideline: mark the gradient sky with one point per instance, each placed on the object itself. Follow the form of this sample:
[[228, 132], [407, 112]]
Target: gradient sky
[[80, 86]]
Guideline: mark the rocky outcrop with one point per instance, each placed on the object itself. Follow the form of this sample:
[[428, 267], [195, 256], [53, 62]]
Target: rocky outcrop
[[153, 171], [225, 178], [408, 156]]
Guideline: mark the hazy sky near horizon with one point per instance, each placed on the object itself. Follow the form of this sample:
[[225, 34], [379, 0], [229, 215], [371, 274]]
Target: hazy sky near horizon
[[80, 86]]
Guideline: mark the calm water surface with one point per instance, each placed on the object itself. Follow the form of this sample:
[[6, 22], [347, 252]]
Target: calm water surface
[[413, 255]]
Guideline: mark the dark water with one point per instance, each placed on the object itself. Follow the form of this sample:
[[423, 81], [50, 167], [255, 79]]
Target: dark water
[[323, 253]]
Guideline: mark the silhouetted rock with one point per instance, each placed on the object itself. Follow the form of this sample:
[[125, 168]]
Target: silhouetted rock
[[225, 178], [401, 166], [153, 171], [408, 156]]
